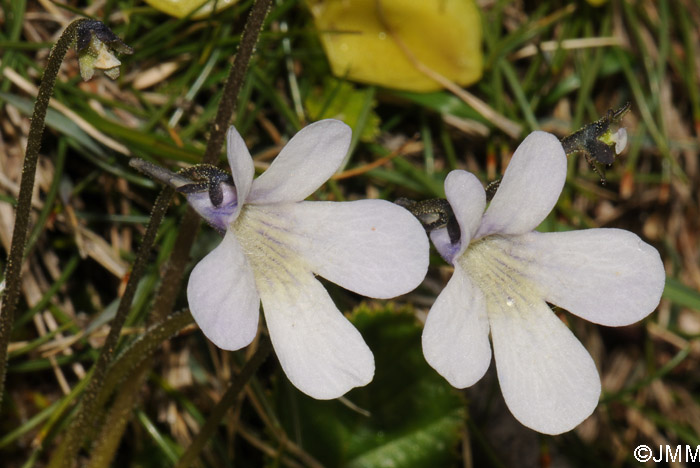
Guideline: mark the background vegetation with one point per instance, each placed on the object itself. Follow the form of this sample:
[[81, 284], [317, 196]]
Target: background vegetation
[[551, 65]]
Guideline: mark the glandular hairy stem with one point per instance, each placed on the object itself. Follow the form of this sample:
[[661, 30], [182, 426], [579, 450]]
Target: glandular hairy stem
[[235, 79], [10, 295]]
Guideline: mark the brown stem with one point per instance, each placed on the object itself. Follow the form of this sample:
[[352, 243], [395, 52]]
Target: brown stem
[[174, 270]]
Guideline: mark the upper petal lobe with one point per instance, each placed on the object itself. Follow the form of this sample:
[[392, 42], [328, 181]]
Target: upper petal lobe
[[241, 164], [309, 159], [467, 199], [530, 187]]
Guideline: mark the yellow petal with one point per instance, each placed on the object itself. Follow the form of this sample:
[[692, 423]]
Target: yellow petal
[[444, 35], [182, 8]]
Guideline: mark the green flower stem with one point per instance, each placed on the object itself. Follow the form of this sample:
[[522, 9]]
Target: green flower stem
[[227, 401], [13, 270], [235, 79], [67, 451]]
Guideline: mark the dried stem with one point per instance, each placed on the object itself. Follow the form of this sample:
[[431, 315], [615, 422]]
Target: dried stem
[[19, 235]]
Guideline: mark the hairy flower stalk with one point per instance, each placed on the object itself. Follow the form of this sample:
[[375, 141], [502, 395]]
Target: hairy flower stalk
[[75, 31], [506, 273]]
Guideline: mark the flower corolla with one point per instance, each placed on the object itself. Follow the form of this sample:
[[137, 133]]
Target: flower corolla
[[97, 46], [274, 245], [506, 273]]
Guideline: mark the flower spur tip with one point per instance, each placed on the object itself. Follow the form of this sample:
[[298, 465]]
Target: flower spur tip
[[161, 174]]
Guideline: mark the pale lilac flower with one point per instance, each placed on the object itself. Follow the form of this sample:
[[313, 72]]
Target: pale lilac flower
[[275, 243], [505, 273]]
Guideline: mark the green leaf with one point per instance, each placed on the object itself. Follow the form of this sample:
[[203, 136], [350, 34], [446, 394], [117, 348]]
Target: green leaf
[[54, 120], [413, 416], [442, 102], [341, 100], [681, 295]]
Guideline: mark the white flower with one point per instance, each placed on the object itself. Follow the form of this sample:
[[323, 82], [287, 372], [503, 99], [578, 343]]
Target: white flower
[[275, 242], [504, 275]]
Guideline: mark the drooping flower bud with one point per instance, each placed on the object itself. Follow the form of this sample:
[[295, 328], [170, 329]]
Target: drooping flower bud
[[96, 45]]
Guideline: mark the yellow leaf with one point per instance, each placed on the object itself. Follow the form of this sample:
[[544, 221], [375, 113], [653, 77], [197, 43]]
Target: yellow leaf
[[361, 44], [182, 8]]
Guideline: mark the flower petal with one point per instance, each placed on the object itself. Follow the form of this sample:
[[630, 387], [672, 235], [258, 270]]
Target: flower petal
[[321, 352], [548, 379], [309, 159], [530, 187], [456, 333], [241, 164], [467, 198], [222, 296], [220, 217], [607, 276], [372, 247]]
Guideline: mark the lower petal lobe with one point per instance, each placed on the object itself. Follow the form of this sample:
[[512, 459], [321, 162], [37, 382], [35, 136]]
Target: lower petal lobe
[[321, 352], [222, 296], [456, 334], [548, 379]]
